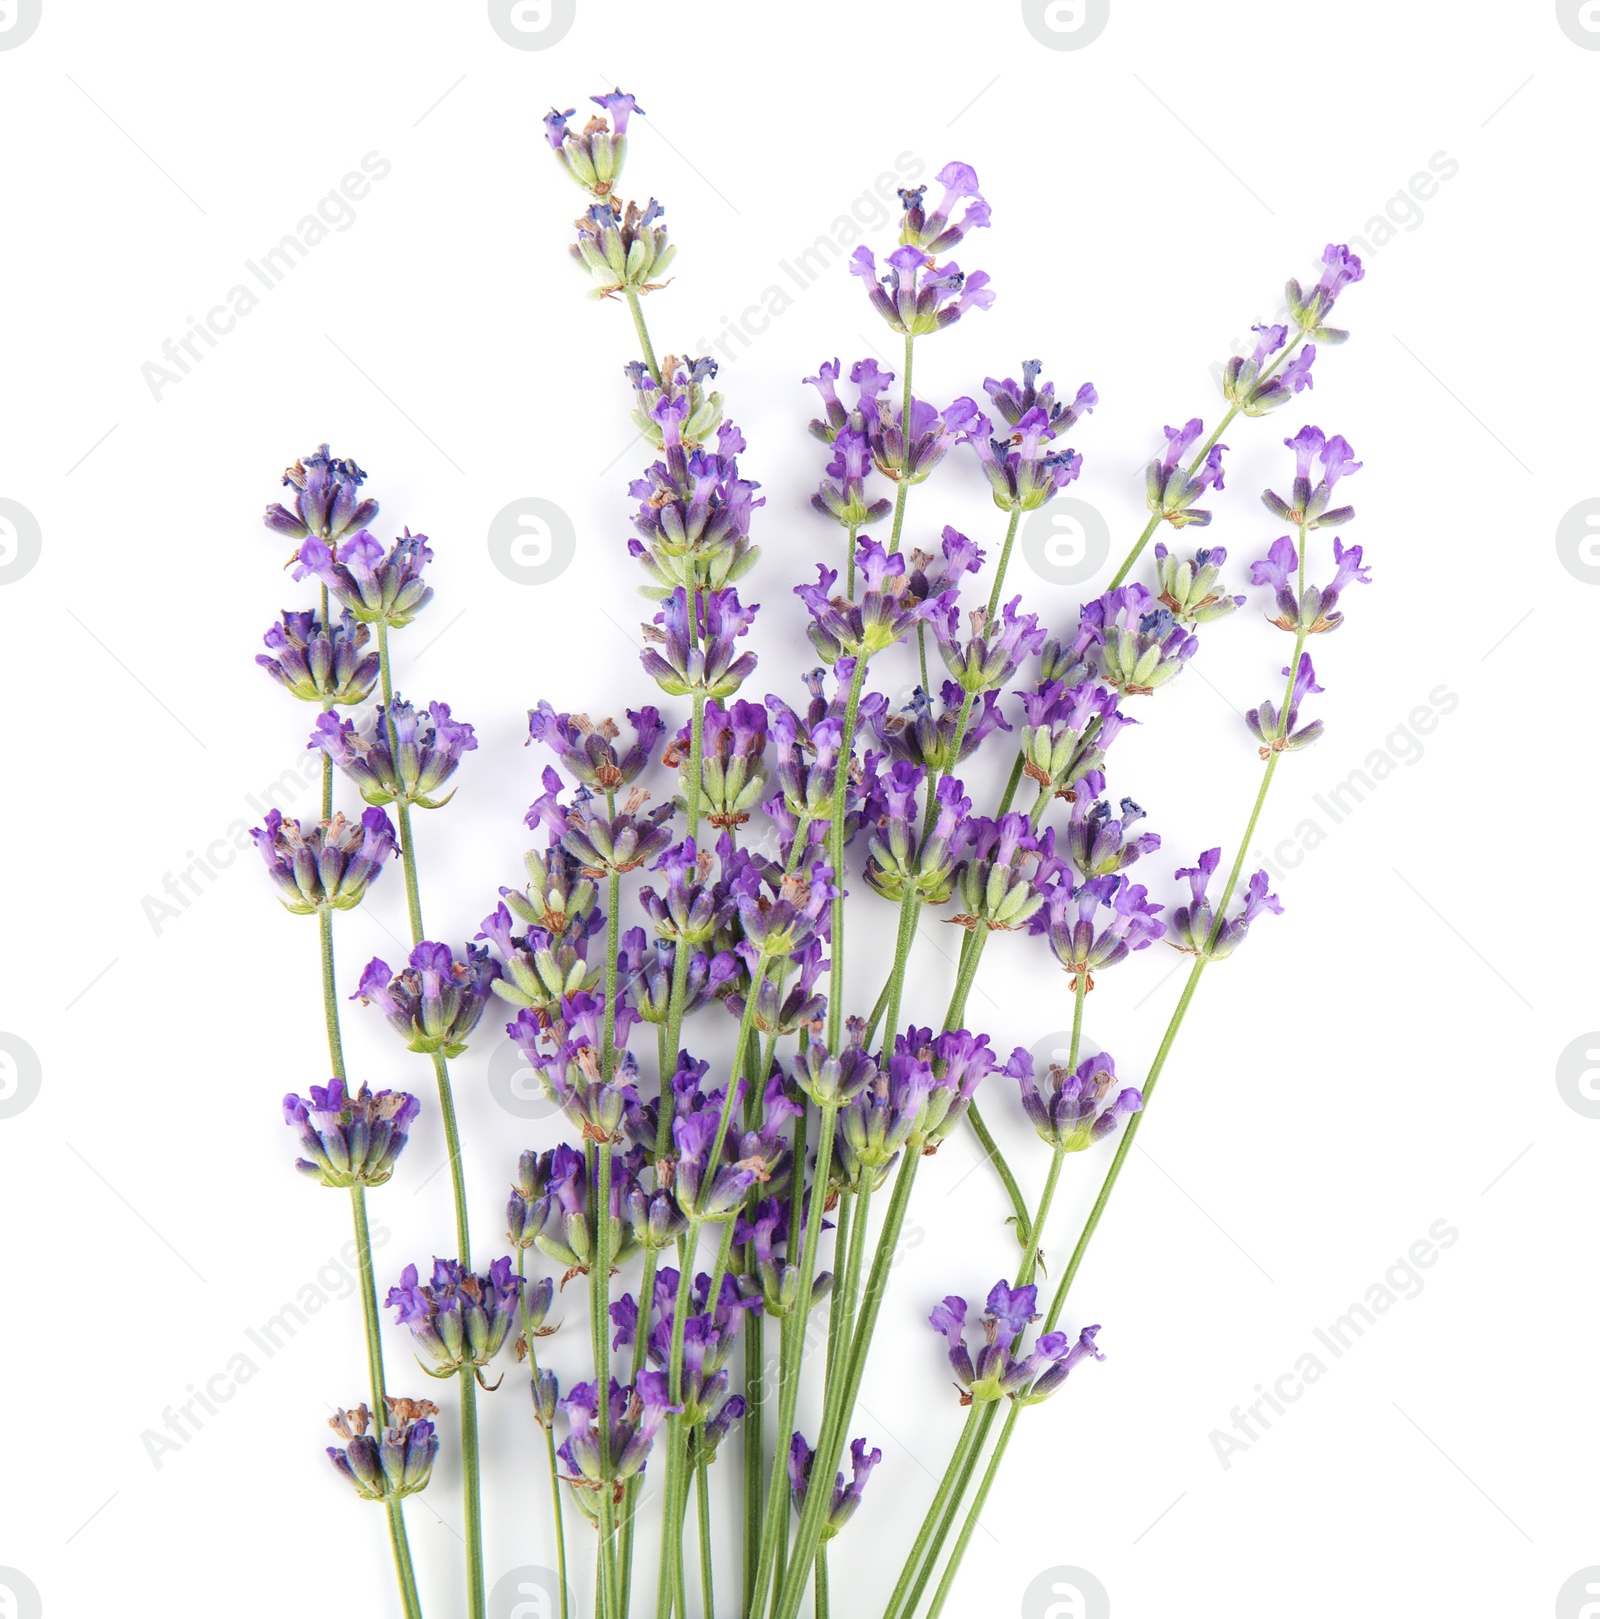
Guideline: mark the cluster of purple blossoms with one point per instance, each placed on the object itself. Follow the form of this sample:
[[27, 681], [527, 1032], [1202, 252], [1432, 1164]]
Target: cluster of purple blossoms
[[1004, 872], [699, 654], [899, 861], [1256, 384], [1311, 307], [1097, 924], [886, 609], [733, 777], [1067, 731], [458, 1318], [1189, 585], [1098, 842], [589, 753], [1281, 731], [1025, 467], [710, 1333], [1311, 504], [327, 501], [350, 1140], [842, 493], [601, 843], [398, 754], [318, 662], [377, 586], [1316, 611], [1173, 488], [396, 1460], [846, 1497], [996, 648], [1065, 1107], [1198, 929], [637, 1414], [326, 866], [434, 1001], [1140, 645], [998, 1370]]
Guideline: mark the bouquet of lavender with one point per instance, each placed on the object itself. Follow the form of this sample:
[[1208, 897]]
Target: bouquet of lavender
[[731, 1206]]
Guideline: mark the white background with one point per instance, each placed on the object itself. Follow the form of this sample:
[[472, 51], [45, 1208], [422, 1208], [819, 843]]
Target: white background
[[1381, 1058]]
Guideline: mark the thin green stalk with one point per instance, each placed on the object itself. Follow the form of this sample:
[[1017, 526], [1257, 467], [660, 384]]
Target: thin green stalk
[[600, 1339], [960, 1549], [842, 1400], [819, 1583], [841, 785], [647, 1291], [969, 1465], [330, 994], [753, 1435], [452, 1139], [845, 1227], [703, 1515], [903, 484], [557, 1510], [680, 956], [850, 564], [472, 1491], [642, 333], [919, 1546], [1205, 450], [1005, 558]]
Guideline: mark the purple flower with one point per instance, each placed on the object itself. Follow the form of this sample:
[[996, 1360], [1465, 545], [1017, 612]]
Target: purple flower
[[318, 662], [328, 864], [326, 503], [1172, 488], [1316, 611], [435, 1001], [1068, 729], [1195, 922], [1311, 505], [1141, 643], [782, 1007], [923, 736], [992, 655], [1311, 307], [594, 155], [1098, 844], [676, 411], [378, 586], [1283, 733], [733, 777], [999, 876], [917, 296], [395, 1461], [1098, 924], [459, 1318], [398, 754], [1189, 586], [699, 661], [600, 843], [998, 1369], [783, 923], [588, 752], [709, 1337], [910, 455], [827, 1078], [885, 612], [637, 1415], [1066, 1106], [881, 1117], [350, 1140], [938, 231], [846, 1497], [899, 862], [604, 1109]]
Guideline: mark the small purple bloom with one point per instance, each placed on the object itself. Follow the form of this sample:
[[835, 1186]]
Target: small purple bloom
[[458, 1318], [326, 503], [328, 864], [350, 1140]]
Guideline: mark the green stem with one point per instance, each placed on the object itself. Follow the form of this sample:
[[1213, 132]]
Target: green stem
[[472, 1491], [643, 334], [819, 1583], [1005, 558], [330, 995], [976, 1512], [919, 1546], [557, 1510], [600, 1338], [903, 484], [703, 1515], [452, 1140], [841, 785], [958, 1494]]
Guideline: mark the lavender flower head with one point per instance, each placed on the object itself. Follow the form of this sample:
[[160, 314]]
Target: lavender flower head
[[1141, 643], [395, 1461], [594, 155], [1282, 732], [435, 1001], [459, 1318], [702, 660], [998, 1370], [350, 1140], [1195, 923], [637, 1416], [398, 754], [1311, 307], [318, 662], [326, 502], [1189, 585], [588, 752], [846, 1497], [1311, 503], [623, 248], [378, 586], [1173, 488], [1098, 924], [1065, 1107], [328, 865]]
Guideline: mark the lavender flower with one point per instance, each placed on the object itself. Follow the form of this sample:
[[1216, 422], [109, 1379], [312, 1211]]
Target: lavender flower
[[1171, 488], [330, 864], [1142, 645], [1311, 307], [1310, 506], [938, 231], [637, 1415], [1189, 586], [1002, 862], [1065, 1108], [602, 1108], [318, 662], [602, 844], [458, 1319], [397, 1460], [594, 155], [350, 1140], [378, 586], [1067, 733], [710, 1334], [538, 970], [733, 777], [623, 248], [1246, 383], [435, 1001], [1317, 610], [915, 295], [679, 397], [1025, 468], [699, 661], [921, 736], [763, 1228], [846, 1497], [998, 1370], [326, 502], [1195, 922], [558, 900], [1098, 844], [588, 752], [992, 655], [1283, 733], [909, 455], [885, 612], [399, 754], [1097, 924], [899, 863]]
